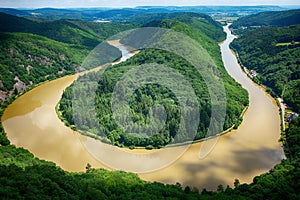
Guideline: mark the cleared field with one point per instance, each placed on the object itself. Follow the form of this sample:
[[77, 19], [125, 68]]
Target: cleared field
[[286, 43]]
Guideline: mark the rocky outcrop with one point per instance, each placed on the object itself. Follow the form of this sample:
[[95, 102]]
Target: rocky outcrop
[[20, 86]]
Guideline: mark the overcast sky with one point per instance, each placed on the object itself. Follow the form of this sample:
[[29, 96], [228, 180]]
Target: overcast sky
[[132, 3]]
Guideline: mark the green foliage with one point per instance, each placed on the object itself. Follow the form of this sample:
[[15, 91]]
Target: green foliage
[[147, 96], [37, 182], [10, 155], [22, 176], [3, 139], [278, 67], [28, 56], [34, 59], [201, 22], [88, 34], [205, 33], [293, 139], [273, 18], [283, 179]]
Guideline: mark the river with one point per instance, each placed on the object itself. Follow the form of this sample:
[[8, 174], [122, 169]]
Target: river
[[31, 122]]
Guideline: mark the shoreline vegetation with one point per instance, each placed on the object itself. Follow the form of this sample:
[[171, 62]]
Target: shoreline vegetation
[[103, 139], [236, 102], [24, 176], [86, 133], [106, 140], [275, 100]]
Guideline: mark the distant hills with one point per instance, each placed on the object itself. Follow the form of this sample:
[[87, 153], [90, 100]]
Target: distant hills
[[63, 44], [122, 14], [68, 31], [24, 176], [272, 18]]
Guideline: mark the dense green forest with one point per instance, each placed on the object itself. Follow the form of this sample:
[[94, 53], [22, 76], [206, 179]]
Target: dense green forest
[[22, 176], [75, 32], [198, 21], [125, 14], [28, 59], [272, 18], [147, 96], [274, 52], [32, 52], [34, 58]]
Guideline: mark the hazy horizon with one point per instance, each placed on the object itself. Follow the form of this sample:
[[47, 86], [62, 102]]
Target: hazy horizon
[[135, 3]]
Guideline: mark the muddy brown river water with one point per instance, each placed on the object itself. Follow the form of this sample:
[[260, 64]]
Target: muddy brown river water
[[31, 122]]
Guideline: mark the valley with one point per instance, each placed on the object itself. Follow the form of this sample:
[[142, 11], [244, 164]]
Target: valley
[[250, 137], [44, 154]]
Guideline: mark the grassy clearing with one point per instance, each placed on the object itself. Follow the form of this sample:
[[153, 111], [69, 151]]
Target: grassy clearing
[[286, 44]]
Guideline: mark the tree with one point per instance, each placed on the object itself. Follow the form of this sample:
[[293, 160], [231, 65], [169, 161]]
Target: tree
[[89, 168], [3, 140], [220, 188], [236, 183]]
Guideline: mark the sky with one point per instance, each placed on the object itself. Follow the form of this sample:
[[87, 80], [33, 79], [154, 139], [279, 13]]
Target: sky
[[133, 3]]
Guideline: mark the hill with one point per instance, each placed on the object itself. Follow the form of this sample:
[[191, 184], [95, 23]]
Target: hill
[[123, 14], [28, 59], [201, 22], [22, 176], [271, 18], [205, 33], [36, 51], [274, 53], [77, 32]]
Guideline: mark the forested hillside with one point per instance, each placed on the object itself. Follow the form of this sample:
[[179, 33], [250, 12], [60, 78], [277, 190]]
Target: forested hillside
[[200, 21], [76, 32], [22, 176], [274, 52], [124, 14], [208, 35], [28, 59], [272, 18], [32, 52]]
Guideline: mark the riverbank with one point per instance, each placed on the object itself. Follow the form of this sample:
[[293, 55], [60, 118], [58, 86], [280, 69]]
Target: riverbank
[[104, 139], [86, 132], [278, 101], [244, 153]]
